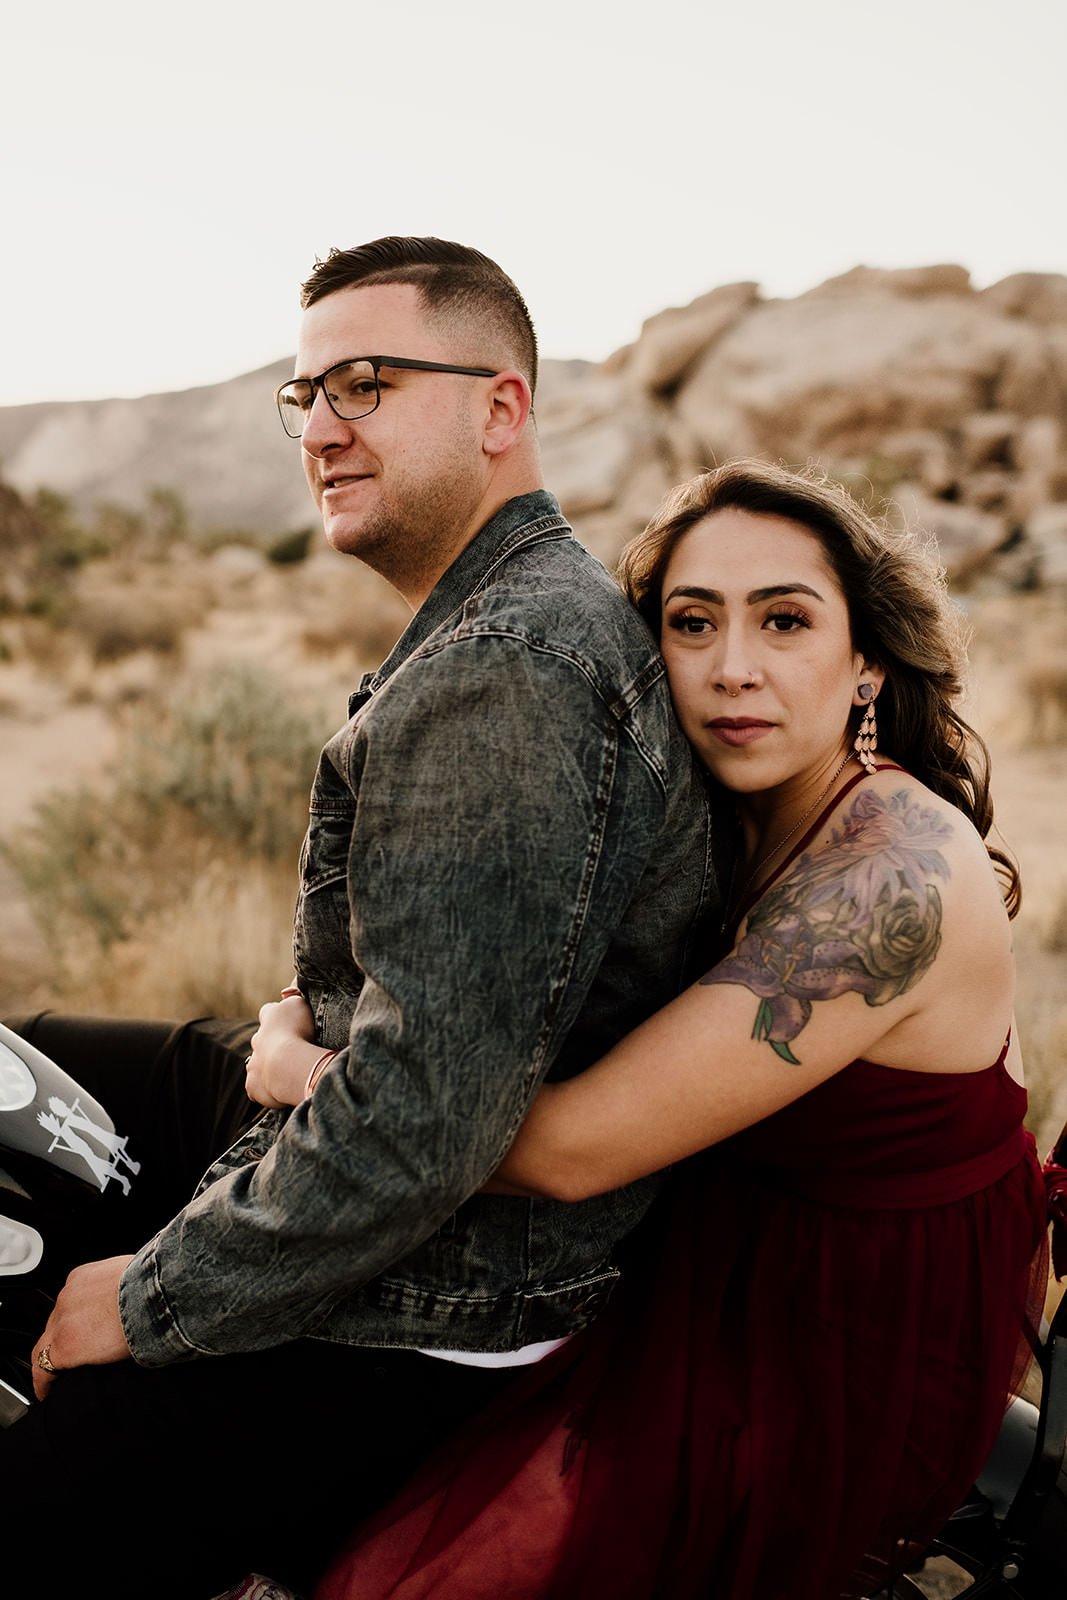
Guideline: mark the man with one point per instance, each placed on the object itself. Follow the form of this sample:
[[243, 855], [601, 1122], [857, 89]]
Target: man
[[507, 867]]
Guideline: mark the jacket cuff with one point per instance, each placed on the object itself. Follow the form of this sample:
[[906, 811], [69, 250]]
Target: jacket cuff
[[150, 1326]]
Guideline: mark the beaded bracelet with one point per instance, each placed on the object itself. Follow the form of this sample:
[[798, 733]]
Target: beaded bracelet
[[317, 1071]]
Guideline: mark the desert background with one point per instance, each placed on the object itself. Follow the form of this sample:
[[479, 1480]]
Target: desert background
[[176, 640]]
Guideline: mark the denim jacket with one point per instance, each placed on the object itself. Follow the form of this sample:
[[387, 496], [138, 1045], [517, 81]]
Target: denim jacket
[[508, 866]]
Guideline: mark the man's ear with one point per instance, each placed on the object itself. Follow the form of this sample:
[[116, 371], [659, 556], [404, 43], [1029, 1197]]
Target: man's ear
[[509, 406]]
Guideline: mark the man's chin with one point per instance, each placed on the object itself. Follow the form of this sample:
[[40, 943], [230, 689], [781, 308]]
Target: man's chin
[[349, 538]]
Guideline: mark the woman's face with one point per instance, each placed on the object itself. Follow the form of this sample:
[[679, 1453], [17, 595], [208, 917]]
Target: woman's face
[[756, 638]]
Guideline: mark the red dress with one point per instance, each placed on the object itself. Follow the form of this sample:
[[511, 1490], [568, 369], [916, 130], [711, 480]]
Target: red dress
[[809, 1358]]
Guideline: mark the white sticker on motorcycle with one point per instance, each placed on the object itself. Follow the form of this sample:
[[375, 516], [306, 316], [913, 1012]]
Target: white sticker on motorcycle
[[45, 1113], [66, 1124]]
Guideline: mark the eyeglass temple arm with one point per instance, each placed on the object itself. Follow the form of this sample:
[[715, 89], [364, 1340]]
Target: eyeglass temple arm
[[428, 366]]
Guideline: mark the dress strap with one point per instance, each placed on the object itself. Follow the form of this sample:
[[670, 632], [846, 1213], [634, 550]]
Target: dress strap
[[805, 839]]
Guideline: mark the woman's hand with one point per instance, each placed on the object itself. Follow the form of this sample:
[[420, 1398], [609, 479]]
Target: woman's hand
[[283, 1053]]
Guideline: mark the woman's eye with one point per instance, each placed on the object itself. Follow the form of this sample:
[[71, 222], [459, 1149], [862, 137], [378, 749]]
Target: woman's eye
[[681, 623], [786, 621]]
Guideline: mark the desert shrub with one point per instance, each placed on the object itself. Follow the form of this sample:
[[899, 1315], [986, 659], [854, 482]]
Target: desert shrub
[[220, 951], [349, 610], [167, 517], [119, 621], [1055, 938], [202, 816], [288, 548], [65, 544], [235, 757], [1044, 689], [117, 529]]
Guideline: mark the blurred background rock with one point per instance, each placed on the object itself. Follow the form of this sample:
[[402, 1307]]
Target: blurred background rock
[[176, 640]]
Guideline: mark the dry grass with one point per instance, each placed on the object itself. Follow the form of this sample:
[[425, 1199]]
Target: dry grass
[[221, 950], [1044, 692], [1018, 699], [345, 609], [168, 880], [119, 624]]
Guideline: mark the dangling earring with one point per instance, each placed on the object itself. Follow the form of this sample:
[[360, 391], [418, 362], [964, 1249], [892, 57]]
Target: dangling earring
[[866, 741]]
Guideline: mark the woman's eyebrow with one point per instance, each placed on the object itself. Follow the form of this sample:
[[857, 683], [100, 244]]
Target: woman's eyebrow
[[693, 592], [775, 589], [715, 598]]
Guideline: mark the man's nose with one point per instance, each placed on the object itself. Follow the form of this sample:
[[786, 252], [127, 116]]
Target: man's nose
[[323, 427]]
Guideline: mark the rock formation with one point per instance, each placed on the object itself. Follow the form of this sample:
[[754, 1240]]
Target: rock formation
[[914, 387]]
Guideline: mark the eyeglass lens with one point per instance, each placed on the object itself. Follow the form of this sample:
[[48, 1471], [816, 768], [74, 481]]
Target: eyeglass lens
[[351, 389]]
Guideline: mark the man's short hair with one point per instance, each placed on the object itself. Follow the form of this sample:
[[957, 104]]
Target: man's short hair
[[455, 283]]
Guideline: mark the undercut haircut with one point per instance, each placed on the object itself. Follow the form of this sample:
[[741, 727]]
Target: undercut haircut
[[456, 284]]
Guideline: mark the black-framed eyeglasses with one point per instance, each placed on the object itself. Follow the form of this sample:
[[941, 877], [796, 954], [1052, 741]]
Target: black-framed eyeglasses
[[351, 388]]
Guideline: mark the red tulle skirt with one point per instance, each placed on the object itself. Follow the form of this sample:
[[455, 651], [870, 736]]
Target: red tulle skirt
[[820, 1325]]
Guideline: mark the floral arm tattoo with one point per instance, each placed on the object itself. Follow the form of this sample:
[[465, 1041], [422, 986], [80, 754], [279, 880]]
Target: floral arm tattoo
[[861, 916]]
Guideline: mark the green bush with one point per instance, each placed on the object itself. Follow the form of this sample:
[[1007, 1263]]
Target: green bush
[[234, 756], [289, 548], [222, 770]]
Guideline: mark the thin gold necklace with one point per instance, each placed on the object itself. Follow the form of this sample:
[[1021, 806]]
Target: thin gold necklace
[[784, 840]]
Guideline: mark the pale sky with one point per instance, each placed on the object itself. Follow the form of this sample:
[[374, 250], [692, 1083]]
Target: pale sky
[[172, 173]]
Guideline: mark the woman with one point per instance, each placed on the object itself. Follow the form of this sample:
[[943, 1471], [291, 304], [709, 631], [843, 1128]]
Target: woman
[[823, 1320]]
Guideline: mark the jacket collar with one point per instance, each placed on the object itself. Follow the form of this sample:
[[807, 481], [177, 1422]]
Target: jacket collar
[[527, 519]]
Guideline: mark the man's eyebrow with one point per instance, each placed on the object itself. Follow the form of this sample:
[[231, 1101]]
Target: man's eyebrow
[[773, 591]]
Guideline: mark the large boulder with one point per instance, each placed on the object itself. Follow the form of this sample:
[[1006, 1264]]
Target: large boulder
[[909, 384], [1040, 297], [832, 374], [671, 341]]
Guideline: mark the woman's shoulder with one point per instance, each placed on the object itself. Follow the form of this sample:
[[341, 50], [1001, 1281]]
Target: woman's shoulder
[[894, 884], [889, 834], [889, 854], [904, 864], [895, 815]]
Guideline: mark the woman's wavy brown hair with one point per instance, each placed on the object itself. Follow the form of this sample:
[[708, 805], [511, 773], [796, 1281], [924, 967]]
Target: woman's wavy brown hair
[[899, 610]]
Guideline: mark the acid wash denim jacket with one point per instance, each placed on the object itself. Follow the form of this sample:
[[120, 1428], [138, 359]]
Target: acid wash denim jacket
[[508, 866]]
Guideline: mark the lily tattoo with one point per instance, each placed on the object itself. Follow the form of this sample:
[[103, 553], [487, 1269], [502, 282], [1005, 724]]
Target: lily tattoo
[[861, 916]]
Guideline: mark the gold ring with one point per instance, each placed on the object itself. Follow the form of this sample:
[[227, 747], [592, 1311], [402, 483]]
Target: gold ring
[[44, 1360]]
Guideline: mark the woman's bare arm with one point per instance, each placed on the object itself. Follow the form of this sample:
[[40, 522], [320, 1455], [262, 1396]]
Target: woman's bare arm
[[830, 962]]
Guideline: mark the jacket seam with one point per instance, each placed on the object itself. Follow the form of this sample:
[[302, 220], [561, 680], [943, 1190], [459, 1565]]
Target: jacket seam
[[594, 854], [618, 706]]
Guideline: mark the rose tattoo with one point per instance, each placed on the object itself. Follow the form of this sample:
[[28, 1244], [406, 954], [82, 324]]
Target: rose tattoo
[[860, 916]]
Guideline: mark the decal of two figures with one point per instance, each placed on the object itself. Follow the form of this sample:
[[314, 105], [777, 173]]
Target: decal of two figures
[[67, 1124], [85, 1133]]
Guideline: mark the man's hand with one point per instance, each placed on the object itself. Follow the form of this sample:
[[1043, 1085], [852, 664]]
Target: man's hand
[[283, 1053], [84, 1328]]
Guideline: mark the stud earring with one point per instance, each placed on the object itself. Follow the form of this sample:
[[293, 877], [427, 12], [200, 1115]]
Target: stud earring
[[866, 741]]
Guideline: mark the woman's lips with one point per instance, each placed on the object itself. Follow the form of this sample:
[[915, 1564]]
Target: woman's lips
[[740, 731]]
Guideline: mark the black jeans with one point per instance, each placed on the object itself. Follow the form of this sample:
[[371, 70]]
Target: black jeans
[[176, 1482]]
